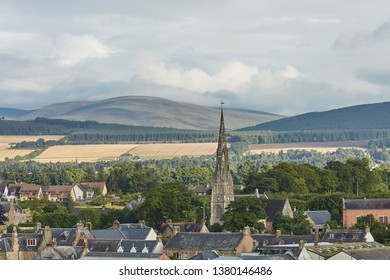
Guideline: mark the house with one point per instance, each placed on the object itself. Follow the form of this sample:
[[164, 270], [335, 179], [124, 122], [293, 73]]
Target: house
[[126, 231], [185, 245], [318, 219], [170, 228], [273, 207], [59, 193], [83, 192], [11, 213], [26, 191], [200, 189], [355, 208], [16, 246], [98, 187], [263, 240], [255, 256], [373, 253], [348, 236]]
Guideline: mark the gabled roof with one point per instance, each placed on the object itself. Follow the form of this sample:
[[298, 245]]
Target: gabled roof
[[5, 244], [60, 189], [23, 241], [66, 236], [184, 226], [125, 232], [204, 241], [273, 206], [26, 187], [371, 203], [205, 256], [95, 185], [114, 234], [319, 217]]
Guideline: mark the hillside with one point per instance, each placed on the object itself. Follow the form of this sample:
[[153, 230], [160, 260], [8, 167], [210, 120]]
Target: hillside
[[368, 116], [150, 111], [10, 113]]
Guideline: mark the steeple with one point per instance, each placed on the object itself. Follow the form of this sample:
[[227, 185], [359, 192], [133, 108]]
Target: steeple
[[222, 185]]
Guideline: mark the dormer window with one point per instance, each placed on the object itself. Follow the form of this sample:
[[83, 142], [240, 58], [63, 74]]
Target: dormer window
[[31, 242], [331, 235]]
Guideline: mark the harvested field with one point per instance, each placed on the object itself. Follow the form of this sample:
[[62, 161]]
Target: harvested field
[[322, 147], [89, 153], [6, 141], [92, 153], [174, 150]]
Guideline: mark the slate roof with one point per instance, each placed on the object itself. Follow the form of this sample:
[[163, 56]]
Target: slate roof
[[257, 257], [125, 255], [377, 253], [114, 234], [271, 239], [5, 245], [66, 236], [204, 241], [371, 203], [273, 206], [279, 249], [319, 217], [344, 235], [138, 245], [205, 256], [67, 252], [98, 245], [184, 226], [5, 206], [23, 237], [125, 232], [95, 185]]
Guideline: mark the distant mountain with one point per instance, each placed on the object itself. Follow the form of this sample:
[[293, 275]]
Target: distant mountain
[[368, 116], [10, 113], [150, 111]]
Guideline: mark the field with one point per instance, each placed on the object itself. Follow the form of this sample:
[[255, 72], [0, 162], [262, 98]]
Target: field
[[322, 147], [91, 153], [6, 141]]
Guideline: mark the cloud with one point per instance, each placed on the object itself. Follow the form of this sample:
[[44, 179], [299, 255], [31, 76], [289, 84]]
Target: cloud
[[379, 77]]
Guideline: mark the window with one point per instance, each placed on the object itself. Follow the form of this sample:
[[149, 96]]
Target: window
[[331, 235], [184, 256], [384, 219], [31, 242]]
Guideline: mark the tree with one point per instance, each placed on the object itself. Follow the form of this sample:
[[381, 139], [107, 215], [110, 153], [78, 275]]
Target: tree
[[298, 225], [245, 211]]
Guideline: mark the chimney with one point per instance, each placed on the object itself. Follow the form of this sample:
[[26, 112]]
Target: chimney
[[15, 240], [246, 230], [367, 229], [255, 244], [278, 233], [116, 224], [89, 226], [54, 242], [47, 235], [301, 245], [317, 236], [79, 229], [159, 238], [176, 229], [38, 226]]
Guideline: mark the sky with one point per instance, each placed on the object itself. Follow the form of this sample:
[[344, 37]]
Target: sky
[[285, 57]]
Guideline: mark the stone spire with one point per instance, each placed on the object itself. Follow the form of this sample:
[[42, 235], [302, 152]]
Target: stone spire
[[222, 185]]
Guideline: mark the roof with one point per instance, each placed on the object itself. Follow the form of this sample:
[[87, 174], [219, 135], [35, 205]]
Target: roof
[[5, 245], [184, 226], [258, 257], [345, 235], [123, 233], [293, 249], [270, 239], [273, 206], [205, 256], [371, 203], [319, 217], [26, 187], [377, 253], [59, 189], [66, 236], [23, 245], [99, 245], [125, 255], [95, 185], [204, 241], [327, 250], [139, 246]]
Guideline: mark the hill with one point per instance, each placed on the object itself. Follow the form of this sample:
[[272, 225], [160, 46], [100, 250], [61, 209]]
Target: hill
[[149, 111], [368, 116], [10, 113]]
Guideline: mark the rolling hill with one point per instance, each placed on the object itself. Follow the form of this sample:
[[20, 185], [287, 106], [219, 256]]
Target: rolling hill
[[148, 111], [368, 116]]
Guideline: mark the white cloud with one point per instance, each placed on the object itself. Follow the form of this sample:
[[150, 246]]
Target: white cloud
[[22, 85], [71, 49]]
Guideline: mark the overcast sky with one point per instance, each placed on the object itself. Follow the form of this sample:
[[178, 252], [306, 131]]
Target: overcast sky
[[280, 56]]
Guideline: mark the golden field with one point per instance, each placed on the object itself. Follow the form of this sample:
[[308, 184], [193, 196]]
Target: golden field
[[6, 141], [322, 147], [91, 153]]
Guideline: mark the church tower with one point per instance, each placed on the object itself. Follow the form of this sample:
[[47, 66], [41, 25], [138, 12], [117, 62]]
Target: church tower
[[222, 185]]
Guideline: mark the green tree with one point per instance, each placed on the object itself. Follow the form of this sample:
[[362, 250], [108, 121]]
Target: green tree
[[245, 211], [298, 225]]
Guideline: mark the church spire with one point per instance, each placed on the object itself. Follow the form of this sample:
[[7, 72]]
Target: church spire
[[222, 185]]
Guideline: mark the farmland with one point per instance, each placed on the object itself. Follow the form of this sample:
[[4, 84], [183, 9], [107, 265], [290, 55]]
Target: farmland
[[6, 141], [322, 147], [91, 153]]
